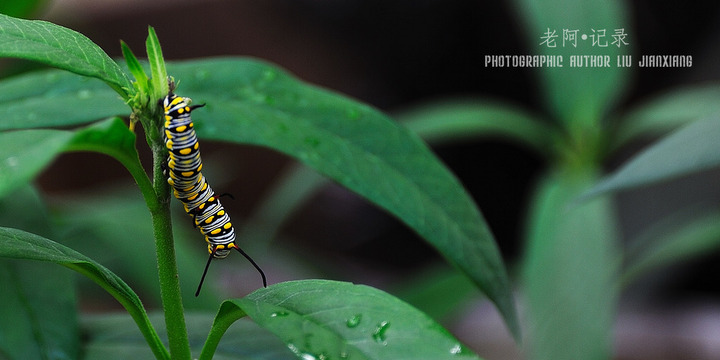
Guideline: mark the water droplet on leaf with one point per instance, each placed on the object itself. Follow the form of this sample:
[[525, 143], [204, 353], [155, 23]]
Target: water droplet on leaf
[[279, 314], [11, 161], [354, 321], [379, 334], [84, 94]]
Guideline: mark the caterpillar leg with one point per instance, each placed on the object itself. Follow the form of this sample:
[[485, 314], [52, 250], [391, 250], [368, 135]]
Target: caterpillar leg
[[257, 267], [204, 273]]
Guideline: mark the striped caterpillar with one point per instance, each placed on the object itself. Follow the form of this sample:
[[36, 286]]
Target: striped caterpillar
[[183, 171]]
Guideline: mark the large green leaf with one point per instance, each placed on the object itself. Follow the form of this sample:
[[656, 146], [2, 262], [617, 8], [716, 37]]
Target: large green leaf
[[687, 150], [320, 319], [59, 47], [27, 152], [54, 98], [578, 96], [18, 244], [251, 102], [570, 271]]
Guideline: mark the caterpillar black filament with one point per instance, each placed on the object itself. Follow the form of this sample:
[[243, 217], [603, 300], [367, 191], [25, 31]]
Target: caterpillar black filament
[[184, 174]]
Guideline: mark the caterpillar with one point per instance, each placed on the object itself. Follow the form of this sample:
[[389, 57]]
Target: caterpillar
[[183, 171]]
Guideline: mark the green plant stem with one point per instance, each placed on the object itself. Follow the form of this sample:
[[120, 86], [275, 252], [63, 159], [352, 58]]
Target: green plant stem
[[226, 316], [167, 265]]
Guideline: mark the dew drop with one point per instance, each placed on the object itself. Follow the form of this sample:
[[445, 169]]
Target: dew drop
[[457, 349], [279, 314], [354, 321], [11, 161], [301, 354], [379, 334], [84, 94]]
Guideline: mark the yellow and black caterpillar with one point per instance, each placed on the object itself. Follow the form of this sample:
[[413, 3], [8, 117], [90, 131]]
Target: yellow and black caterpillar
[[183, 170]]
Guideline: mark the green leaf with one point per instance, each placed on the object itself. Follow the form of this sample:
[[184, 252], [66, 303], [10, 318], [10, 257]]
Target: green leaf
[[328, 319], [27, 152], [157, 65], [668, 112], [18, 244], [578, 96], [250, 102], [60, 47], [570, 271], [110, 137], [445, 121], [134, 66], [37, 317], [54, 98], [687, 150], [680, 238]]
